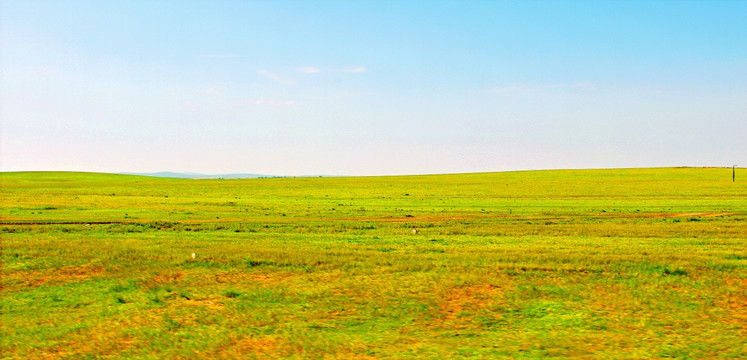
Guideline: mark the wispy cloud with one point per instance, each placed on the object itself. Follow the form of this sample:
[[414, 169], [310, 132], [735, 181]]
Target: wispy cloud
[[189, 106], [353, 69], [275, 77], [308, 69], [584, 85], [43, 70], [214, 90], [265, 102], [347, 69], [331, 96], [272, 102]]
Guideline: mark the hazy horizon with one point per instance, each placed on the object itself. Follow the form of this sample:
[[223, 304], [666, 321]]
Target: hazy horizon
[[292, 88], [194, 175]]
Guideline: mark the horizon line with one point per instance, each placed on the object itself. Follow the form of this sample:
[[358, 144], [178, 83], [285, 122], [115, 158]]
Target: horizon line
[[239, 175]]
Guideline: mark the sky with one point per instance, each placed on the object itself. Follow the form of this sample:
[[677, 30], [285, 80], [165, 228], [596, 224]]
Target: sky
[[371, 87]]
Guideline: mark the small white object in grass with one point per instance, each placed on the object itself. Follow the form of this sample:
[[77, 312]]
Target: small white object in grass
[[414, 230], [193, 255]]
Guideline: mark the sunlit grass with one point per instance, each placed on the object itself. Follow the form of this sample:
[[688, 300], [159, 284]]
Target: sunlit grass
[[635, 263]]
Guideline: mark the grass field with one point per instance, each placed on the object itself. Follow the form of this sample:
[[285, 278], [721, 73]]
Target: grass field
[[631, 263]]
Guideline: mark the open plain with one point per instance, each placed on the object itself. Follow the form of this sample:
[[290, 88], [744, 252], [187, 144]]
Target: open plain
[[625, 263]]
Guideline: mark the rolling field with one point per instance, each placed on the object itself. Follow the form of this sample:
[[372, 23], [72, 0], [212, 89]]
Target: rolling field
[[630, 263]]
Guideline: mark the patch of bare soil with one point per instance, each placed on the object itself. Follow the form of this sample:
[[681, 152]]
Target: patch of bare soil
[[261, 347], [459, 304], [38, 278], [736, 304], [680, 215]]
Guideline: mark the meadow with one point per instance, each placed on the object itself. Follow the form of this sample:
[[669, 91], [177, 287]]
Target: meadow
[[620, 263]]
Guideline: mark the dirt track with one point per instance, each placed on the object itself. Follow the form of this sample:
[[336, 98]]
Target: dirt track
[[30, 222]]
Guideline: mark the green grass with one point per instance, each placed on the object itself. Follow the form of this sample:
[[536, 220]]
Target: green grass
[[629, 263]]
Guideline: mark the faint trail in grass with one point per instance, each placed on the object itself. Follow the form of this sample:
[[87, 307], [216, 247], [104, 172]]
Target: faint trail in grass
[[29, 222]]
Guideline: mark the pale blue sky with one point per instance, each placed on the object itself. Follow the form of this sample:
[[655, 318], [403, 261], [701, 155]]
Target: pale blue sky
[[371, 87]]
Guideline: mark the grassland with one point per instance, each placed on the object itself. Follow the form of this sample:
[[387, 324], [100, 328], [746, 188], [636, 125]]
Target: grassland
[[632, 263]]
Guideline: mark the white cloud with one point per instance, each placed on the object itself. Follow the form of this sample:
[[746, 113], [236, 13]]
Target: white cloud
[[189, 106], [584, 85], [353, 69], [308, 69], [43, 70], [514, 88], [214, 90], [248, 102], [332, 96], [272, 102], [276, 77]]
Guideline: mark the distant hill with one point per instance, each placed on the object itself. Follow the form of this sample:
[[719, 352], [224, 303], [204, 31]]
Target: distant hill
[[188, 175]]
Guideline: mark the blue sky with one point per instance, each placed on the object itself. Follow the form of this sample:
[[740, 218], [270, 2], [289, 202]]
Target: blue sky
[[371, 87]]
